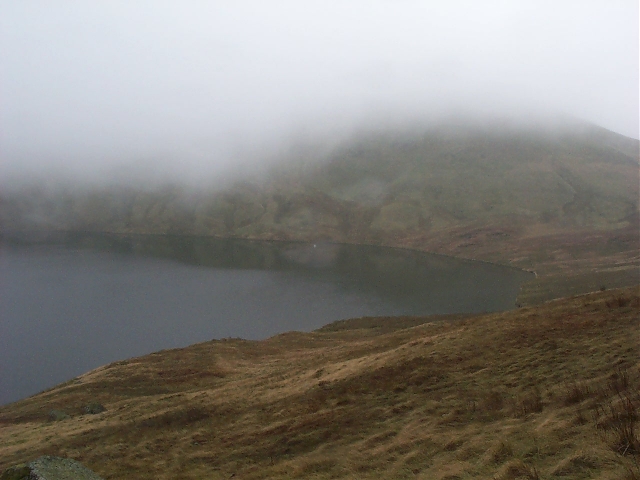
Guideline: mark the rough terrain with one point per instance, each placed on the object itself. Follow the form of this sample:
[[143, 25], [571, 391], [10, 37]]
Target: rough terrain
[[550, 391]]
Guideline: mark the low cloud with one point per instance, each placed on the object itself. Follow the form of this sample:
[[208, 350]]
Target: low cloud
[[192, 89]]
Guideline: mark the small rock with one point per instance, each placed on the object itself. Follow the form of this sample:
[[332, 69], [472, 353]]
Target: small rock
[[94, 408], [50, 468], [57, 415]]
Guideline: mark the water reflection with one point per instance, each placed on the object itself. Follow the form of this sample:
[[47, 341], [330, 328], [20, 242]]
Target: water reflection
[[416, 282], [72, 302]]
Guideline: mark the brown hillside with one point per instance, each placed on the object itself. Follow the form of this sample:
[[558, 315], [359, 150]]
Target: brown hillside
[[540, 392]]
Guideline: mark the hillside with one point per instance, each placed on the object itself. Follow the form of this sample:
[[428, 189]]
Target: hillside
[[562, 201], [541, 392]]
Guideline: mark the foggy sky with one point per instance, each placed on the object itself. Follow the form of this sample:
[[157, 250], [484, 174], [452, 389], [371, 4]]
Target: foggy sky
[[194, 86]]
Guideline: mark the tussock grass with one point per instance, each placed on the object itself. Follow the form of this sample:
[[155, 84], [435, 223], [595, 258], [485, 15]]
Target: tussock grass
[[518, 470], [540, 392], [578, 465], [576, 392]]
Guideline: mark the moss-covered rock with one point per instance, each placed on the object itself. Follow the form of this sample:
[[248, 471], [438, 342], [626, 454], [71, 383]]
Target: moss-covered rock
[[50, 468], [93, 408], [57, 415]]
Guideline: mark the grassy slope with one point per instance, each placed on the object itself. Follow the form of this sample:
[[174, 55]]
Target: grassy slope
[[562, 204], [539, 392]]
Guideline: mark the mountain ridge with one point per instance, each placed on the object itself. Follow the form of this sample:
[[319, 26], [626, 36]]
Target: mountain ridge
[[549, 390], [512, 195]]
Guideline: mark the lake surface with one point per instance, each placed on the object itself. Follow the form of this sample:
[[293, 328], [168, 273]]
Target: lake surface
[[76, 302]]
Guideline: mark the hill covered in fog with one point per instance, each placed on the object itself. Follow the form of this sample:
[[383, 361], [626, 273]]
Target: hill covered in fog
[[533, 197]]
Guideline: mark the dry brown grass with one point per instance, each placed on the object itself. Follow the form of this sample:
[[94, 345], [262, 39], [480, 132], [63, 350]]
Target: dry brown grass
[[540, 392]]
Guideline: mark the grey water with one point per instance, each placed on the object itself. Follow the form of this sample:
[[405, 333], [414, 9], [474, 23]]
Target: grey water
[[75, 302]]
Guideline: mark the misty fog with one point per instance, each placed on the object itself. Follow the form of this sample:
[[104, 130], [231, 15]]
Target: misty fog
[[190, 90]]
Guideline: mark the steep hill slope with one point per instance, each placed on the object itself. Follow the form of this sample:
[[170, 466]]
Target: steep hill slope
[[539, 392], [560, 201]]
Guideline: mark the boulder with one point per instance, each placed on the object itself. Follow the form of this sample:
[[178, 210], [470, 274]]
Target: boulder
[[50, 468], [57, 415], [93, 408]]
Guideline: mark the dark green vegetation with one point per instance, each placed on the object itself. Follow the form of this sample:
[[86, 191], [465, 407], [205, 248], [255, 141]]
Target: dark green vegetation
[[551, 391], [561, 202]]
